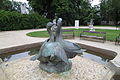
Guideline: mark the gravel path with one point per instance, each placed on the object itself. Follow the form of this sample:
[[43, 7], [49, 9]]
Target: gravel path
[[82, 69]]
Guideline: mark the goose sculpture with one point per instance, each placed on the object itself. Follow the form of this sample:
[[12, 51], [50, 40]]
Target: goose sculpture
[[51, 55], [50, 39], [70, 48]]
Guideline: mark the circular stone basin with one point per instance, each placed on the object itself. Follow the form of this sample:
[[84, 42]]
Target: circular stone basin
[[85, 67], [82, 69], [92, 55]]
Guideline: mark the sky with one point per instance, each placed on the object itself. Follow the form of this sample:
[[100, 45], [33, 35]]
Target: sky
[[21, 1], [95, 2]]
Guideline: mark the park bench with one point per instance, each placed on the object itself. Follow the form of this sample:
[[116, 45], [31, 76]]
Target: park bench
[[117, 39], [94, 35], [68, 33]]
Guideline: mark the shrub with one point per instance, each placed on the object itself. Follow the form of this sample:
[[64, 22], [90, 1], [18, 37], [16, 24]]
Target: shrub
[[17, 21]]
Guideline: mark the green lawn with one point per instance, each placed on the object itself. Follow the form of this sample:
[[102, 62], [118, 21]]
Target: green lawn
[[106, 25], [103, 26], [110, 34]]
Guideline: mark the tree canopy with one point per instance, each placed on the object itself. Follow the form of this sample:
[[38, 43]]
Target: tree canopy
[[8, 5], [69, 10], [110, 10], [5, 5]]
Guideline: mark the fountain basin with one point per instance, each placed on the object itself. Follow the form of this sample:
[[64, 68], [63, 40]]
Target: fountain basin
[[88, 62], [83, 69]]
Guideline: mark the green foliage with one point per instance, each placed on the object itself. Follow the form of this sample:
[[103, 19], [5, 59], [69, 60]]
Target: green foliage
[[69, 10], [110, 34], [16, 21], [5, 5], [38, 34], [44, 7], [110, 10], [13, 5]]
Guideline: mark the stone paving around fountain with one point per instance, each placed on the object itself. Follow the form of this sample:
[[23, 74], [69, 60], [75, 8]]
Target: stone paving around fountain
[[11, 39], [3, 75]]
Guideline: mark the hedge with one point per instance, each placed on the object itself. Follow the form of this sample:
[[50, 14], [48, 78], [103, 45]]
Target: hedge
[[17, 21]]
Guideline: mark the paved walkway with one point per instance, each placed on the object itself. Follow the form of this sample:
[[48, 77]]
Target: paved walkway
[[112, 28], [17, 38]]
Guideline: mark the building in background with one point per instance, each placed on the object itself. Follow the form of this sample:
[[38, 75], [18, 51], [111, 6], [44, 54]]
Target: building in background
[[24, 9]]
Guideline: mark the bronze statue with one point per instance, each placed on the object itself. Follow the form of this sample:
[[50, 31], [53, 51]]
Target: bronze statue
[[55, 52]]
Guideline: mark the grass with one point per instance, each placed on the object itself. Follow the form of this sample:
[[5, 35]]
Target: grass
[[110, 34], [103, 26], [106, 25], [38, 34]]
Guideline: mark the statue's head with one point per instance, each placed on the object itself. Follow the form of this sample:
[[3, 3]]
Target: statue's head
[[59, 21], [54, 28], [55, 24]]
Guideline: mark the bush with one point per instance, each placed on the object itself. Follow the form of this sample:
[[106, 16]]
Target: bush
[[17, 21]]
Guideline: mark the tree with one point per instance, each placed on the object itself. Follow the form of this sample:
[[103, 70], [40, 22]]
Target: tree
[[116, 9], [44, 7], [110, 10], [69, 10], [5, 5], [10, 6]]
